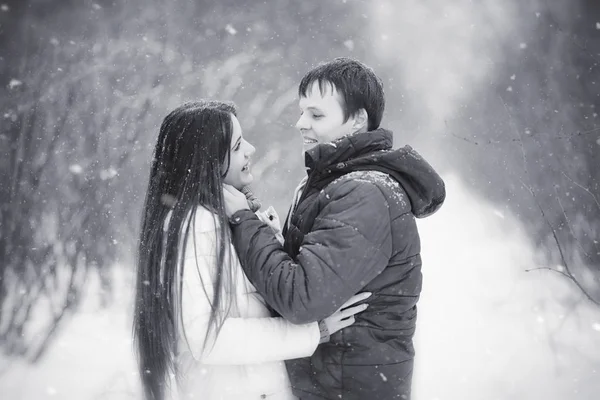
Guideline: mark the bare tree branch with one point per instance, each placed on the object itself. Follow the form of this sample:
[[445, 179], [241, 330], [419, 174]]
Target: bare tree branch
[[567, 275]]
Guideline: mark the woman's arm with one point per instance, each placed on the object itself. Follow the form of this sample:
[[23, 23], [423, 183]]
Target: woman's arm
[[240, 340], [253, 341]]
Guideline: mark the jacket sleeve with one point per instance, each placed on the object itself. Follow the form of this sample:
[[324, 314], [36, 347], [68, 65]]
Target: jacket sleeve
[[240, 340], [349, 245]]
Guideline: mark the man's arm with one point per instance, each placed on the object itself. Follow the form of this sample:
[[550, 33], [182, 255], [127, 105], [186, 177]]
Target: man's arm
[[349, 245]]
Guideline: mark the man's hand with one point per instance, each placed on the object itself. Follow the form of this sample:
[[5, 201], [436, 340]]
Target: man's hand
[[234, 200]]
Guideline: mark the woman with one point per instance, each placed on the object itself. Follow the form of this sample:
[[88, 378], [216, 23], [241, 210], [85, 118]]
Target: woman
[[201, 330]]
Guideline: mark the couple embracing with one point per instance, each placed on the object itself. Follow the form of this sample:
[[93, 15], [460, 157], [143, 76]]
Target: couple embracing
[[232, 304]]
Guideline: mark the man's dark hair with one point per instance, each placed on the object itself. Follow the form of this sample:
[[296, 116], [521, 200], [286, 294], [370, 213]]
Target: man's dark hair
[[356, 83]]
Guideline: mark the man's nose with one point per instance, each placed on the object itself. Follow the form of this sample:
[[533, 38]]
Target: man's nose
[[302, 123]]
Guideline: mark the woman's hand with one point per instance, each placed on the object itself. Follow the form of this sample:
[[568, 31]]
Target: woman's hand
[[270, 218], [344, 317], [234, 200]]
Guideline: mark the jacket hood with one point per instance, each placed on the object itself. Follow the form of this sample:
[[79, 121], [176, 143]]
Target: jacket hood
[[372, 151]]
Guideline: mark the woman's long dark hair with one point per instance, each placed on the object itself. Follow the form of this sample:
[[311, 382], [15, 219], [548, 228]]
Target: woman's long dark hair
[[193, 145]]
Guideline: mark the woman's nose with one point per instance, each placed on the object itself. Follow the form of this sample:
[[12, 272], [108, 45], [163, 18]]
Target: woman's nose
[[250, 150]]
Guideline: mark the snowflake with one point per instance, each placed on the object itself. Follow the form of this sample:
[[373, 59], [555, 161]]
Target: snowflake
[[522, 45], [108, 173], [598, 25], [499, 214], [14, 83], [596, 326], [4, 7], [75, 169], [230, 29], [349, 44]]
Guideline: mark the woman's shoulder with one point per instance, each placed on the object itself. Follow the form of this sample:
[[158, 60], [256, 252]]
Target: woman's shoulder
[[205, 220]]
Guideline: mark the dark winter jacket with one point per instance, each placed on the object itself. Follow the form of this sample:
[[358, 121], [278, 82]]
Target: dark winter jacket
[[353, 230]]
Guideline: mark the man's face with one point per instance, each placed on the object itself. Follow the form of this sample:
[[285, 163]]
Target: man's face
[[322, 117]]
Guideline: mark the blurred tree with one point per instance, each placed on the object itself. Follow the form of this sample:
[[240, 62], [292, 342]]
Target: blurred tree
[[57, 182], [85, 85], [536, 151], [81, 106], [506, 95]]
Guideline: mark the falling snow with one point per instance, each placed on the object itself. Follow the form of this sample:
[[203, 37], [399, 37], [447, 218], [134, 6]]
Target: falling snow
[[14, 83], [474, 254], [106, 174], [75, 169], [230, 29]]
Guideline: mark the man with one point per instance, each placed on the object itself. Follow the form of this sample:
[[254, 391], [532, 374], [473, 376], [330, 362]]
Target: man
[[351, 228]]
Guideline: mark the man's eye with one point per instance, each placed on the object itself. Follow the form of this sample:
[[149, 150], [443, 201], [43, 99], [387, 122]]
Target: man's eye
[[317, 116]]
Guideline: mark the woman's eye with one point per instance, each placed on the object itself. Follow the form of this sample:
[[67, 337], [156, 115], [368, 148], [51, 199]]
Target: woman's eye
[[317, 116]]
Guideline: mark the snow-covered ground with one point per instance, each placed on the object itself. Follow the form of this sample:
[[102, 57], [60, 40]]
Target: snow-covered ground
[[91, 359], [487, 329]]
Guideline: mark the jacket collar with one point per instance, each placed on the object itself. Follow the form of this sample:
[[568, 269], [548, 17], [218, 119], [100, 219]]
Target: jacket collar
[[346, 148]]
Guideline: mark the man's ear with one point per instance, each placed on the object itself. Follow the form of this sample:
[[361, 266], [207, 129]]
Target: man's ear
[[361, 120]]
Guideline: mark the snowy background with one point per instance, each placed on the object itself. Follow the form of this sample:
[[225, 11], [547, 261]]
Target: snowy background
[[501, 97]]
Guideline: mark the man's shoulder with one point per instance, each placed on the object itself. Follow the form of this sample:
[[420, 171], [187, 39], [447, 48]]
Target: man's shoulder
[[361, 178], [369, 182]]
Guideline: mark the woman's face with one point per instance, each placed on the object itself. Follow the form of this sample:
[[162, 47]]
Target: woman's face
[[240, 151]]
